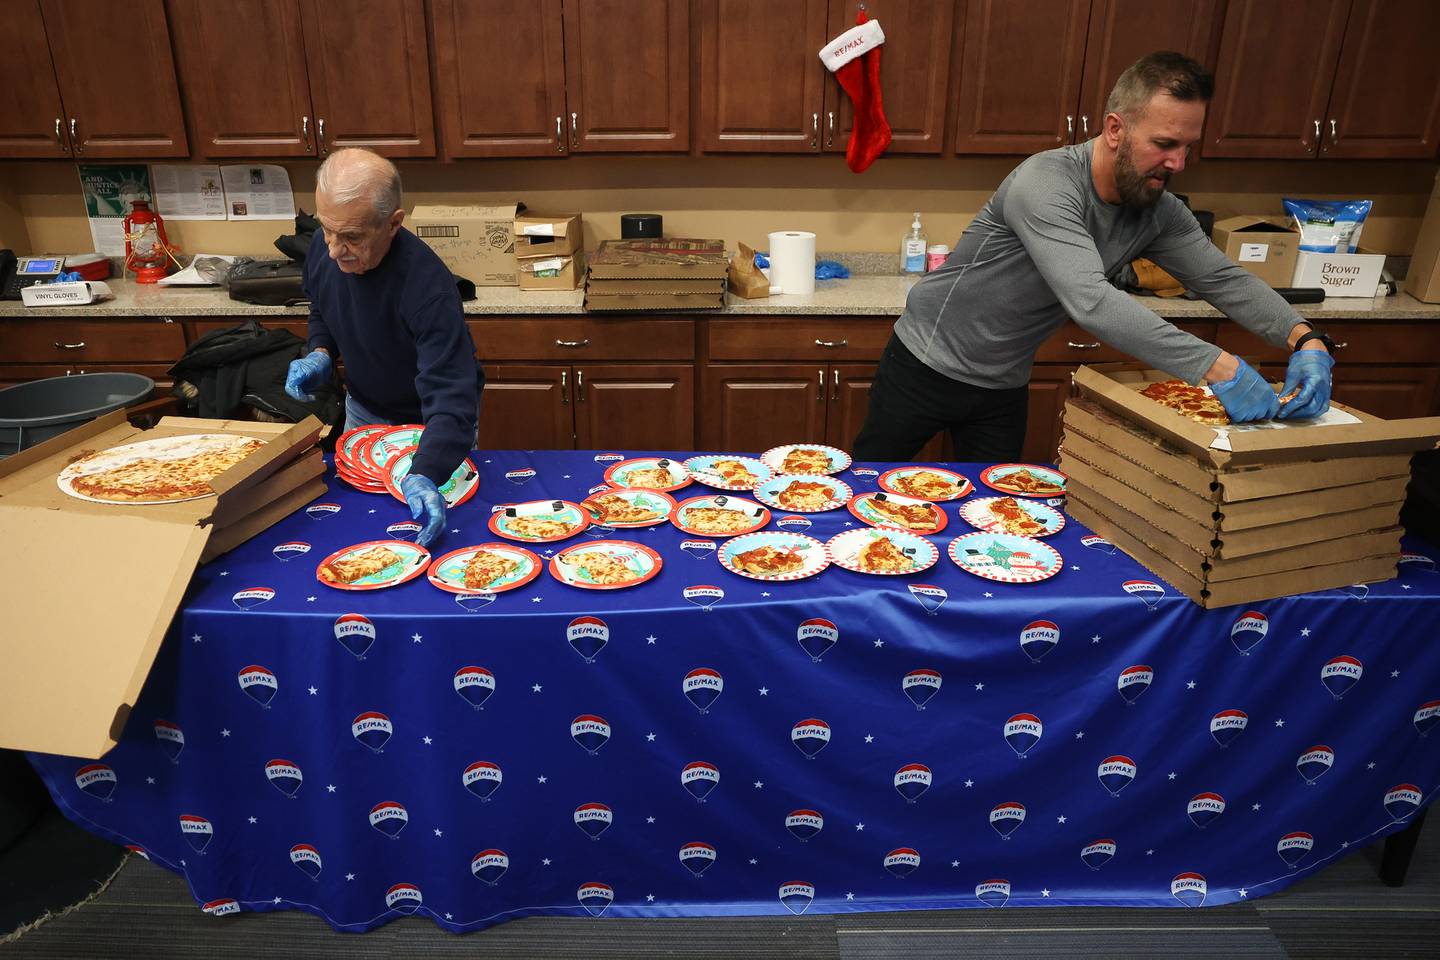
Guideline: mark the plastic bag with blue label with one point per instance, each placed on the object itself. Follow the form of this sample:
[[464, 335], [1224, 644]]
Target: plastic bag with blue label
[[1329, 226]]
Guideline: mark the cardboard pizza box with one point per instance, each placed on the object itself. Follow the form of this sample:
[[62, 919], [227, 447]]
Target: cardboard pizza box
[[228, 537], [662, 258], [97, 584]]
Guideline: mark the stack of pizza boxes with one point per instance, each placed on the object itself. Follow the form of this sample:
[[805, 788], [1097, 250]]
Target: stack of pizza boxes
[[94, 571], [660, 273], [1231, 515]]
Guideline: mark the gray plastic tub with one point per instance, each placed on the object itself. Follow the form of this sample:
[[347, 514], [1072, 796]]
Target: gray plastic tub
[[36, 411]]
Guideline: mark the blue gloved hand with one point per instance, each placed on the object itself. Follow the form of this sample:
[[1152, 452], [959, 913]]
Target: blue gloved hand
[[1246, 396], [423, 497], [307, 373], [1308, 372]]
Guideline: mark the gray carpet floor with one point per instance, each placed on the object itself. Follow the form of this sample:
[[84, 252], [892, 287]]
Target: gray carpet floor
[[1344, 912]]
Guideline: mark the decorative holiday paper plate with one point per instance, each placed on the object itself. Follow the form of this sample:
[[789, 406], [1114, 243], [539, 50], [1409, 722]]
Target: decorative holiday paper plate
[[806, 458], [774, 555], [373, 565], [728, 472], [926, 483], [881, 509], [375, 451], [804, 493], [486, 568], [648, 473], [1024, 479], [882, 550], [539, 521], [719, 515], [1024, 518], [625, 509], [158, 470], [1005, 557], [605, 565], [352, 442], [460, 487]]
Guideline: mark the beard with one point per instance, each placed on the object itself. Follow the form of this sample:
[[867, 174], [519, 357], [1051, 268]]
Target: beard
[[1133, 185]]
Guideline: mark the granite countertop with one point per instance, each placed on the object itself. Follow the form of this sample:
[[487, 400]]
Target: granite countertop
[[868, 295]]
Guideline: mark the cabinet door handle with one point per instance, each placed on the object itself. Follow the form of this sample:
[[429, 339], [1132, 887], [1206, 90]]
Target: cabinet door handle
[[69, 346], [320, 132], [1333, 135], [574, 131], [814, 131], [820, 388], [564, 387], [305, 130], [1342, 344], [831, 343], [834, 384], [830, 128], [1069, 125], [579, 386], [573, 343], [1082, 346], [559, 134], [1317, 131], [59, 137], [1085, 125], [74, 140]]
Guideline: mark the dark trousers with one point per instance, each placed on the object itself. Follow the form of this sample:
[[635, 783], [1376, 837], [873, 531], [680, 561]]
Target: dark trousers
[[910, 403]]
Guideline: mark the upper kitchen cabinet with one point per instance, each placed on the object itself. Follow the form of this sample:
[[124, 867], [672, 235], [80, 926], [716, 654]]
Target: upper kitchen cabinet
[[71, 93], [270, 78]]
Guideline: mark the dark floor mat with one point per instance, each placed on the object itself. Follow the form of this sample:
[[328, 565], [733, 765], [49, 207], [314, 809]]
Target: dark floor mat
[[53, 865]]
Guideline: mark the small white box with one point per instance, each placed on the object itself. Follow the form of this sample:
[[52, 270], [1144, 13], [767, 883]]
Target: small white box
[[68, 294], [1339, 274]]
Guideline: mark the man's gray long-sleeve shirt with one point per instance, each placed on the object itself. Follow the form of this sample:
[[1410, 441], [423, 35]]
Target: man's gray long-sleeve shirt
[[1046, 247]]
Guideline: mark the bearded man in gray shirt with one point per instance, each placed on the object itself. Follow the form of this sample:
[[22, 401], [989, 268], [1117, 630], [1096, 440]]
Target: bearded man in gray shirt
[[1049, 245]]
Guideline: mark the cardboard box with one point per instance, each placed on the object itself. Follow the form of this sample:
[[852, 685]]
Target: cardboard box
[[1340, 274], [1423, 279], [227, 538], [476, 242], [1265, 246], [537, 235], [549, 273], [661, 258], [633, 288], [85, 645], [658, 301]]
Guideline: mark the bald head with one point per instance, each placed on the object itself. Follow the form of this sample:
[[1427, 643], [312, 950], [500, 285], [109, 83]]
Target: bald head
[[355, 174], [357, 201]]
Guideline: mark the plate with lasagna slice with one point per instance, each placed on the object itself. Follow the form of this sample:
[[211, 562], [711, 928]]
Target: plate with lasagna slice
[[805, 458], [1194, 403], [1024, 479], [804, 493], [726, 472], [622, 508], [882, 551], [158, 470], [1005, 558], [461, 486], [648, 473], [605, 565], [1025, 518], [373, 565], [926, 483], [539, 521], [375, 452], [719, 516], [487, 568], [881, 509], [774, 555]]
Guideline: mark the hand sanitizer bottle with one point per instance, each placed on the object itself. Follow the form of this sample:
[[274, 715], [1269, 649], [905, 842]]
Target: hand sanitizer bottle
[[912, 249]]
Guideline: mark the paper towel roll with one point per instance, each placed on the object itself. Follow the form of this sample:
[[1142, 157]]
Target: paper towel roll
[[792, 261]]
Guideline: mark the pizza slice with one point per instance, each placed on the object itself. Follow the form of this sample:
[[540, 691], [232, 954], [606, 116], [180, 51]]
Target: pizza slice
[[613, 508], [1193, 402], [653, 478], [734, 472], [911, 516], [1013, 518], [354, 568], [881, 555], [1026, 482], [485, 567], [603, 568], [716, 520], [927, 485], [806, 460], [768, 561], [537, 528]]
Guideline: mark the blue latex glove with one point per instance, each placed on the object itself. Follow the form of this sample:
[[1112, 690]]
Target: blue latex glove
[[423, 497], [307, 373], [1246, 396], [1309, 371]]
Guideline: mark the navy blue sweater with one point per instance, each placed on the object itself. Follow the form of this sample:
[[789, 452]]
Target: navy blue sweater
[[408, 355]]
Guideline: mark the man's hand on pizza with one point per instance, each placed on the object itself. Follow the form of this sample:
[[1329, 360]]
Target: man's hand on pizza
[[1246, 396], [423, 498], [1308, 378], [307, 373]]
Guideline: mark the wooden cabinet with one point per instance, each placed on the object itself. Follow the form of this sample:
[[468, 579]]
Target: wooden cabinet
[[33, 123], [306, 59], [749, 408]]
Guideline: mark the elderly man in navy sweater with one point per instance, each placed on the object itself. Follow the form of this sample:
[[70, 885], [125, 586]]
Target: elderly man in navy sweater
[[382, 300]]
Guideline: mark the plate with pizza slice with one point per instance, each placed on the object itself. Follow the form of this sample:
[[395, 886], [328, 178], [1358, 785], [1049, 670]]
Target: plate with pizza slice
[[882, 551], [1194, 403], [648, 473], [726, 472], [539, 521], [158, 470], [486, 568], [881, 509], [806, 458], [1024, 479], [461, 486], [926, 483], [627, 509], [373, 565], [719, 515], [1004, 557], [1020, 516], [605, 565], [804, 493], [774, 555]]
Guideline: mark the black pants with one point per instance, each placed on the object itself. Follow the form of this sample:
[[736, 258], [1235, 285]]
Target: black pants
[[910, 403]]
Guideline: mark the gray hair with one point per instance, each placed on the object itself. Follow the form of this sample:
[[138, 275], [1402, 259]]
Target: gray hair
[[354, 173], [1173, 73]]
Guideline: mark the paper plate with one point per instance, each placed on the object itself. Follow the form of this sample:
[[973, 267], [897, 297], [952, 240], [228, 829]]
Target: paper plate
[[769, 492], [702, 470], [756, 515], [845, 550], [573, 565], [448, 572], [502, 521], [652, 500], [835, 459], [1000, 477], [412, 561], [627, 473], [375, 451], [461, 486], [978, 514], [352, 442], [907, 481], [157, 448], [360, 482], [1004, 557], [811, 552], [862, 505]]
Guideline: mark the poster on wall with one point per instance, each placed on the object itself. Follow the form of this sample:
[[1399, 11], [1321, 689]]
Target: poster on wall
[[257, 191], [189, 191], [109, 189]]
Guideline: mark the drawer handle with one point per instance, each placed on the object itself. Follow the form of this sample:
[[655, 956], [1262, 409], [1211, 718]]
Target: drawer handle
[[1082, 346], [833, 344], [69, 346], [573, 344]]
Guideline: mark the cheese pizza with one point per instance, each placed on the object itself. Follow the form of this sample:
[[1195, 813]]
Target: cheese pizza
[[767, 561], [806, 460], [717, 520], [734, 472], [358, 567], [612, 508], [153, 479], [602, 567], [484, 568], [805, 495], [1196, 403], [880, 555], [537, 528], [927, 485], [654, 478], [911, 516]]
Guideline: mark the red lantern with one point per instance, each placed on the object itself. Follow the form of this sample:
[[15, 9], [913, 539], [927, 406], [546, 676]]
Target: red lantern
[[147, 249]]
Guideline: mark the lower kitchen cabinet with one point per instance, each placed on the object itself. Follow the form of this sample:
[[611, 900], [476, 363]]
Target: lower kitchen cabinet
[[591, 406]]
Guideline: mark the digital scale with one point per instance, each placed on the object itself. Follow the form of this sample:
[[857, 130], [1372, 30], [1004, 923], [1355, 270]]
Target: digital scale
[[28, 271]]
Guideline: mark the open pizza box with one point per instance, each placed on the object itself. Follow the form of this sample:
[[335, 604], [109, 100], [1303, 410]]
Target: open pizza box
[[92, 587]]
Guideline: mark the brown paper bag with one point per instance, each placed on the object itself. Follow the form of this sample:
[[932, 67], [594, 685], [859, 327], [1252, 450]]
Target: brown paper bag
[[745, 279]]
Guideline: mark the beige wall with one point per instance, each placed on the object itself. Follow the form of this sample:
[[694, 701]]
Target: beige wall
[[741, 198]]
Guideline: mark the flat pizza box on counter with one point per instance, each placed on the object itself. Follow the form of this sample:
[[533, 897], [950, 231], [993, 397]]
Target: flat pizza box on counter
[[660, 258], [655, 301], [91, 588]]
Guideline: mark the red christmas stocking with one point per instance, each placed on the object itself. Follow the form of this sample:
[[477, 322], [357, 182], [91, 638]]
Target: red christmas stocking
[[854, 58]]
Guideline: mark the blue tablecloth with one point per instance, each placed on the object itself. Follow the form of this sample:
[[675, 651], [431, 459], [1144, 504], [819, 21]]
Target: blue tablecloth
[[280, 760]]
